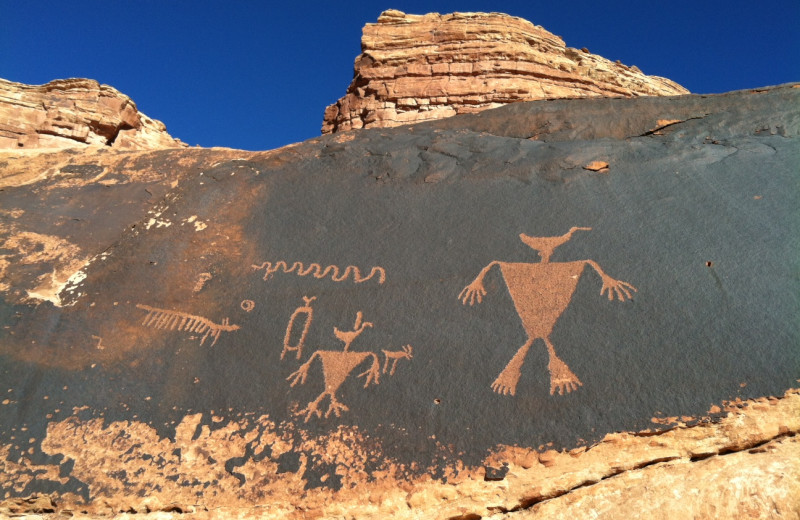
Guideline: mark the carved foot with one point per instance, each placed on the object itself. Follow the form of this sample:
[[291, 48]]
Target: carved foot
[[506, 382], [313, 408], [336, 407], [561, 377]]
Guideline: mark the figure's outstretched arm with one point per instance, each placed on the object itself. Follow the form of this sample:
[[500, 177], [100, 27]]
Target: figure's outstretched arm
[[300, 375], [475, 291], [373, 373], [615, 288]]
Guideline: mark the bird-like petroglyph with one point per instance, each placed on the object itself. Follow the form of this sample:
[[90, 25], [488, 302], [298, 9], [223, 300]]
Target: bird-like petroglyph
[[541, 292], [165, 319], [316, 270], [338, 365]]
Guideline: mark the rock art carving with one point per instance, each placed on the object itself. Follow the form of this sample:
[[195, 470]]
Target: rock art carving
[[309, 315], [541, 292], [317, 271], [201, 281], [338, 365], [247, 305], [165, 319], [395, 356]]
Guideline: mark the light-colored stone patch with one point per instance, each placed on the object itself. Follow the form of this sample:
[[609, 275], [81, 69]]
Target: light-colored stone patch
[[65, 259]]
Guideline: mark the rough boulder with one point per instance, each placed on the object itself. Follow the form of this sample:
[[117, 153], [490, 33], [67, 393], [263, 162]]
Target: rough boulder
[[70, 113]]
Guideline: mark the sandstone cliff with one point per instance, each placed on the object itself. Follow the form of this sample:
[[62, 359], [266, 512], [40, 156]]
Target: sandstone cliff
[[75, 112], [420, 67]]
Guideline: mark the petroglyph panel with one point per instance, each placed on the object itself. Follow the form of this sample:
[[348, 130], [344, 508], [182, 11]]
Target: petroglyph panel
[[676, 308]]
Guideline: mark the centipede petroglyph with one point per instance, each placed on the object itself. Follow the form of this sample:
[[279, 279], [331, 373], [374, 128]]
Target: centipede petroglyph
[[316, 270], [165, 319]]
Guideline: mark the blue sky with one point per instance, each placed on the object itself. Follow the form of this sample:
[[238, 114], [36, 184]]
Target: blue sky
[[245, 74]]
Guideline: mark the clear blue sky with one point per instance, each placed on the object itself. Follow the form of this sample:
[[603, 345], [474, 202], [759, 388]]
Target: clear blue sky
[[247, 75]]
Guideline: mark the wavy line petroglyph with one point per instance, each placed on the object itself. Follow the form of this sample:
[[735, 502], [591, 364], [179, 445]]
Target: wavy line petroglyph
[[338, 365], [165, 319], [541, 292], [317, 271]]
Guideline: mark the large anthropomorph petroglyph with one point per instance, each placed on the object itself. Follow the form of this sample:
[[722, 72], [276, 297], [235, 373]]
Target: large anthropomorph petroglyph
[[541, 292]]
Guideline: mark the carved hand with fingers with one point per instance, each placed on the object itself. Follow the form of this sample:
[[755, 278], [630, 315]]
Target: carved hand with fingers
[[300, 375], [372, 373], [616, 288], [475, 291]]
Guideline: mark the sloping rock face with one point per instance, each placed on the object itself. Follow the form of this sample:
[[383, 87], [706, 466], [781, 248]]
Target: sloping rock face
[[69, 113], [575, 308], [421, 67]]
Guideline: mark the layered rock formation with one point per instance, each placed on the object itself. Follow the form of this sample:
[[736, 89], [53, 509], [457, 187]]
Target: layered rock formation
[[72, 113], [421, 67]]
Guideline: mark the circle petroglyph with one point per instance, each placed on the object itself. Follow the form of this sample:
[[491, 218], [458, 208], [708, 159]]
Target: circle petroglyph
[[248, 305]]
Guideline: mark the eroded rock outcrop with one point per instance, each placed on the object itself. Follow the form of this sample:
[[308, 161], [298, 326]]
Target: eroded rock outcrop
[[421, 67], [69, 113]]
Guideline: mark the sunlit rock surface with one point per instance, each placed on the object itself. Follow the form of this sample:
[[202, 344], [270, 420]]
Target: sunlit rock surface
[[579, 308], [75, 113], [420, 67]]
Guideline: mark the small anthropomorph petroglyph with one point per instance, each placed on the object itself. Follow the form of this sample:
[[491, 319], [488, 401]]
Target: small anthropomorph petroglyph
[[541, 292], [338, 365]]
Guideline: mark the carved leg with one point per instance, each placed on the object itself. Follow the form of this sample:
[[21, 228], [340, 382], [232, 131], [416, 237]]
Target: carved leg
[[335, 407], [561, 377], [313, 407], [506, 382]]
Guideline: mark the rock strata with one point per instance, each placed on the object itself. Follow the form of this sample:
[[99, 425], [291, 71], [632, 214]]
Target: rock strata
[[69, 113], [421, 67]]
